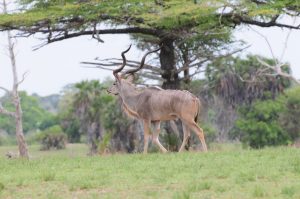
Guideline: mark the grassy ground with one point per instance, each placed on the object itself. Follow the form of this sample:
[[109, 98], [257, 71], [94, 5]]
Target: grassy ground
[[268, 173]]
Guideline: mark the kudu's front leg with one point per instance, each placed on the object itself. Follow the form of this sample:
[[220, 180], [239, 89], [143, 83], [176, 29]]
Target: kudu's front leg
[[146, 124]]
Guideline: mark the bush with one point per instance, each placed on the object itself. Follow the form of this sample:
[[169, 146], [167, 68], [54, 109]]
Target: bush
[[270, 122], [53, 137], [104, 144], [289, 118]]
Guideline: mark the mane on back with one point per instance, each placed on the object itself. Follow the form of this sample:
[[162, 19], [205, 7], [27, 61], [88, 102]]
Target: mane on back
[[155, 88]]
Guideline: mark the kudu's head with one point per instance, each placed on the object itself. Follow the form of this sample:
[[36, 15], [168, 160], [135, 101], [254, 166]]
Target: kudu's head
[[125, 81]]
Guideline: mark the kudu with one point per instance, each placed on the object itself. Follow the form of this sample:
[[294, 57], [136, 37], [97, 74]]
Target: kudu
[[153, 105]]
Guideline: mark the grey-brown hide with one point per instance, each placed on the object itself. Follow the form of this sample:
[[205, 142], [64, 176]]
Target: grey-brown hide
[[153, 105]]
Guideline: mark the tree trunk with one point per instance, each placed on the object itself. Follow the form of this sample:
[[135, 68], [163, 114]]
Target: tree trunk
[[186, 72], [168, 65], [171, 79], [92, 138], [23, 151], [95, 134]]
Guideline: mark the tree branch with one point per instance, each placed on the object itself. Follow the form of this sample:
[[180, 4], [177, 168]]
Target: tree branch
[[6, 112], [6, 90], [278, 71], [268, 43], [238, 19], [23, 78], [130, 63], [64, 33]]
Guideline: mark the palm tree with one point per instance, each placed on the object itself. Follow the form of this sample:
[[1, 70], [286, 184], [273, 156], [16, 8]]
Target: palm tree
[[234, 81], [87, 107], [241, 81]]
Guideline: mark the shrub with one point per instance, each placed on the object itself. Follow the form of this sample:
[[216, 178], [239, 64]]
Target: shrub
[[290, 116], [104, 144], [170, 141], [258, 124], [53, 137], [270, 122]]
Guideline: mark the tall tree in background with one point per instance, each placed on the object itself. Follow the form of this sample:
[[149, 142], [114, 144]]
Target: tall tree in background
[[234, 81], [242, 80], [17, 114]]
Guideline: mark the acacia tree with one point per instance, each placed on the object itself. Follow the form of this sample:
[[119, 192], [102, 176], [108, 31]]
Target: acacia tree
[[167, 21], [17, 114]]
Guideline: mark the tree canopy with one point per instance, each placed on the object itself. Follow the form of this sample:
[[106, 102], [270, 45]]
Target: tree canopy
[[181, 25], [146, 16]]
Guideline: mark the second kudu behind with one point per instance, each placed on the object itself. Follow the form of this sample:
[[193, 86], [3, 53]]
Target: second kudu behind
[[153, 105]]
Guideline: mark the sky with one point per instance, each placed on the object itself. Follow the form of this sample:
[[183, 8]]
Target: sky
[[53, 66]]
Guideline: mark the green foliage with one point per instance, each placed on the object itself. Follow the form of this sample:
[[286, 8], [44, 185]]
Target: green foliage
[[53, 137], [173, 14], [68, 121], [113, 117], [290, 116], [87, 102], [79, 107], [48, 122], [34, 116], [152, 15], [259, 124], [104, 144], [170, 141], [270, 122], [237, 79]]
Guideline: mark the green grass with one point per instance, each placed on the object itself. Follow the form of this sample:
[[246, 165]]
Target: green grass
[[231, 173]]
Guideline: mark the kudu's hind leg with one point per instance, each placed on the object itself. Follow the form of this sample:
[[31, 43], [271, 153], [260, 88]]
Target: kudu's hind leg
[[156, 136], [146, 124], [186, 135], [194, 127]]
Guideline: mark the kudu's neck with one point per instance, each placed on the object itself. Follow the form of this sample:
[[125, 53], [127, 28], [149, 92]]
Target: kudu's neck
[[130, 96]]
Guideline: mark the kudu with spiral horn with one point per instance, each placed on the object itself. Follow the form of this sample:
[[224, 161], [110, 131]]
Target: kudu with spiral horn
[[153, 105]]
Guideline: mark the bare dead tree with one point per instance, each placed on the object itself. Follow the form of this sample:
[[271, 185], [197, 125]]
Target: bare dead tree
[[276, 69], [17, 114]]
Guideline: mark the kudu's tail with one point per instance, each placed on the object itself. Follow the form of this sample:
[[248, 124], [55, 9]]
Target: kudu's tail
[[198, 109]]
